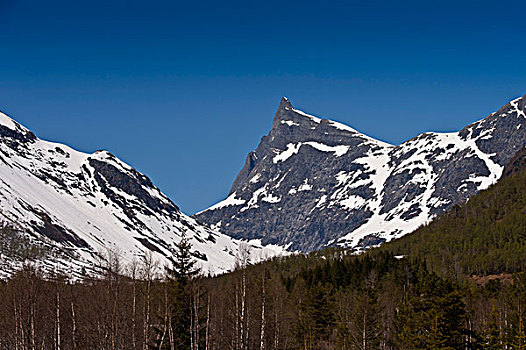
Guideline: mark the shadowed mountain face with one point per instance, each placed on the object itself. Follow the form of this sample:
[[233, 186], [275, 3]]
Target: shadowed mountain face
[[80, 205], [313, 182], [516, 164]]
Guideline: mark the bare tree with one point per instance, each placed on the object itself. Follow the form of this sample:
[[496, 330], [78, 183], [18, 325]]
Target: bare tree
[[242, 261], [263, 323], [133, 269], [148, 272]]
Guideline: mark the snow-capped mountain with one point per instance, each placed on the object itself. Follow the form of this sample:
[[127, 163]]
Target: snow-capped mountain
[[313, 182], [80, 205]]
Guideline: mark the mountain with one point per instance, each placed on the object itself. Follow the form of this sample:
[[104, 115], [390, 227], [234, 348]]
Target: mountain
[[80, 205], [484, 236], [313, 182]]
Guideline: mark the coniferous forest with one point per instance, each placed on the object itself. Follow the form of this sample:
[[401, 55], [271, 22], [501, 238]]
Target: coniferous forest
[[457, 283]]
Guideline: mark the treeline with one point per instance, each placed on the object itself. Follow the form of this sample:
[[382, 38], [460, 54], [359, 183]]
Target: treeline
[[486, 235], [327, 300]]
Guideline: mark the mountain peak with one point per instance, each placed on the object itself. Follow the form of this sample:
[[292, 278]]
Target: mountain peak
[[285, 110], [14, 131], [287, 114], [285, 103], [314, 182], [5, 120]]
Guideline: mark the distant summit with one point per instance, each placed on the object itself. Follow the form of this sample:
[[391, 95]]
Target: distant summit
[[313, 182]]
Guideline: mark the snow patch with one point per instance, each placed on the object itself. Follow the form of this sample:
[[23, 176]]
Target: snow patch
[[352, 202], [229, 201], [6, 121], [289, 123], [255, 178], [294, 149], [311, 117], [305, 186], [341, 126], [337, 150], [291, 150], [321, 201], [271, 199]]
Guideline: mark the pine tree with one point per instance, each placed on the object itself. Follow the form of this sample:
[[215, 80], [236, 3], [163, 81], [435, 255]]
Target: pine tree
[[431, 317], [184, 264], [176, 332], [316, 317]]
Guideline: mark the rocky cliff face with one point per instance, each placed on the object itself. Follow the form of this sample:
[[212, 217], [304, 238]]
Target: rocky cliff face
[[80, 205], [313, 182], [516, 164]]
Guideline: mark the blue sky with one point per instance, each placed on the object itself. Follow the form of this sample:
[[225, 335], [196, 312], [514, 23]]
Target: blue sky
[[184, 91]]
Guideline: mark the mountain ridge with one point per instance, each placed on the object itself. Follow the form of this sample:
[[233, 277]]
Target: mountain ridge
[[81, 204], [312, 182]]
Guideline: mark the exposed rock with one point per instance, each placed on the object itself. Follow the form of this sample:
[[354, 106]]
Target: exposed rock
[[313, 182], [516, 164]]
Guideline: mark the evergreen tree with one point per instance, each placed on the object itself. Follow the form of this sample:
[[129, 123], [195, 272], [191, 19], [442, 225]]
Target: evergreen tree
[[316, 317], [176, 333], [184, 264], [431, 316]]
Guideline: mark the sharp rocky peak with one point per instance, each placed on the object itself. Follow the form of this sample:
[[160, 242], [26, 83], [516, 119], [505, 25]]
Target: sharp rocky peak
[[313, 182], [289, 116], [293, 129], [285, 103], [293, 125]]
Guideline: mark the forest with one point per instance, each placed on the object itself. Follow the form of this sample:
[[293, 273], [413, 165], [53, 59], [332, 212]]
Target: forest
[[457, 283], [325, 300]]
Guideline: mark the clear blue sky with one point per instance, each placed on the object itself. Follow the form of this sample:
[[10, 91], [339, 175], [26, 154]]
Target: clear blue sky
[[183, 90]]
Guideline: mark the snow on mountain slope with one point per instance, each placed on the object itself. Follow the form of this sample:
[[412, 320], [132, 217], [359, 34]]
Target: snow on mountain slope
[[82, 204], [312, 182]]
